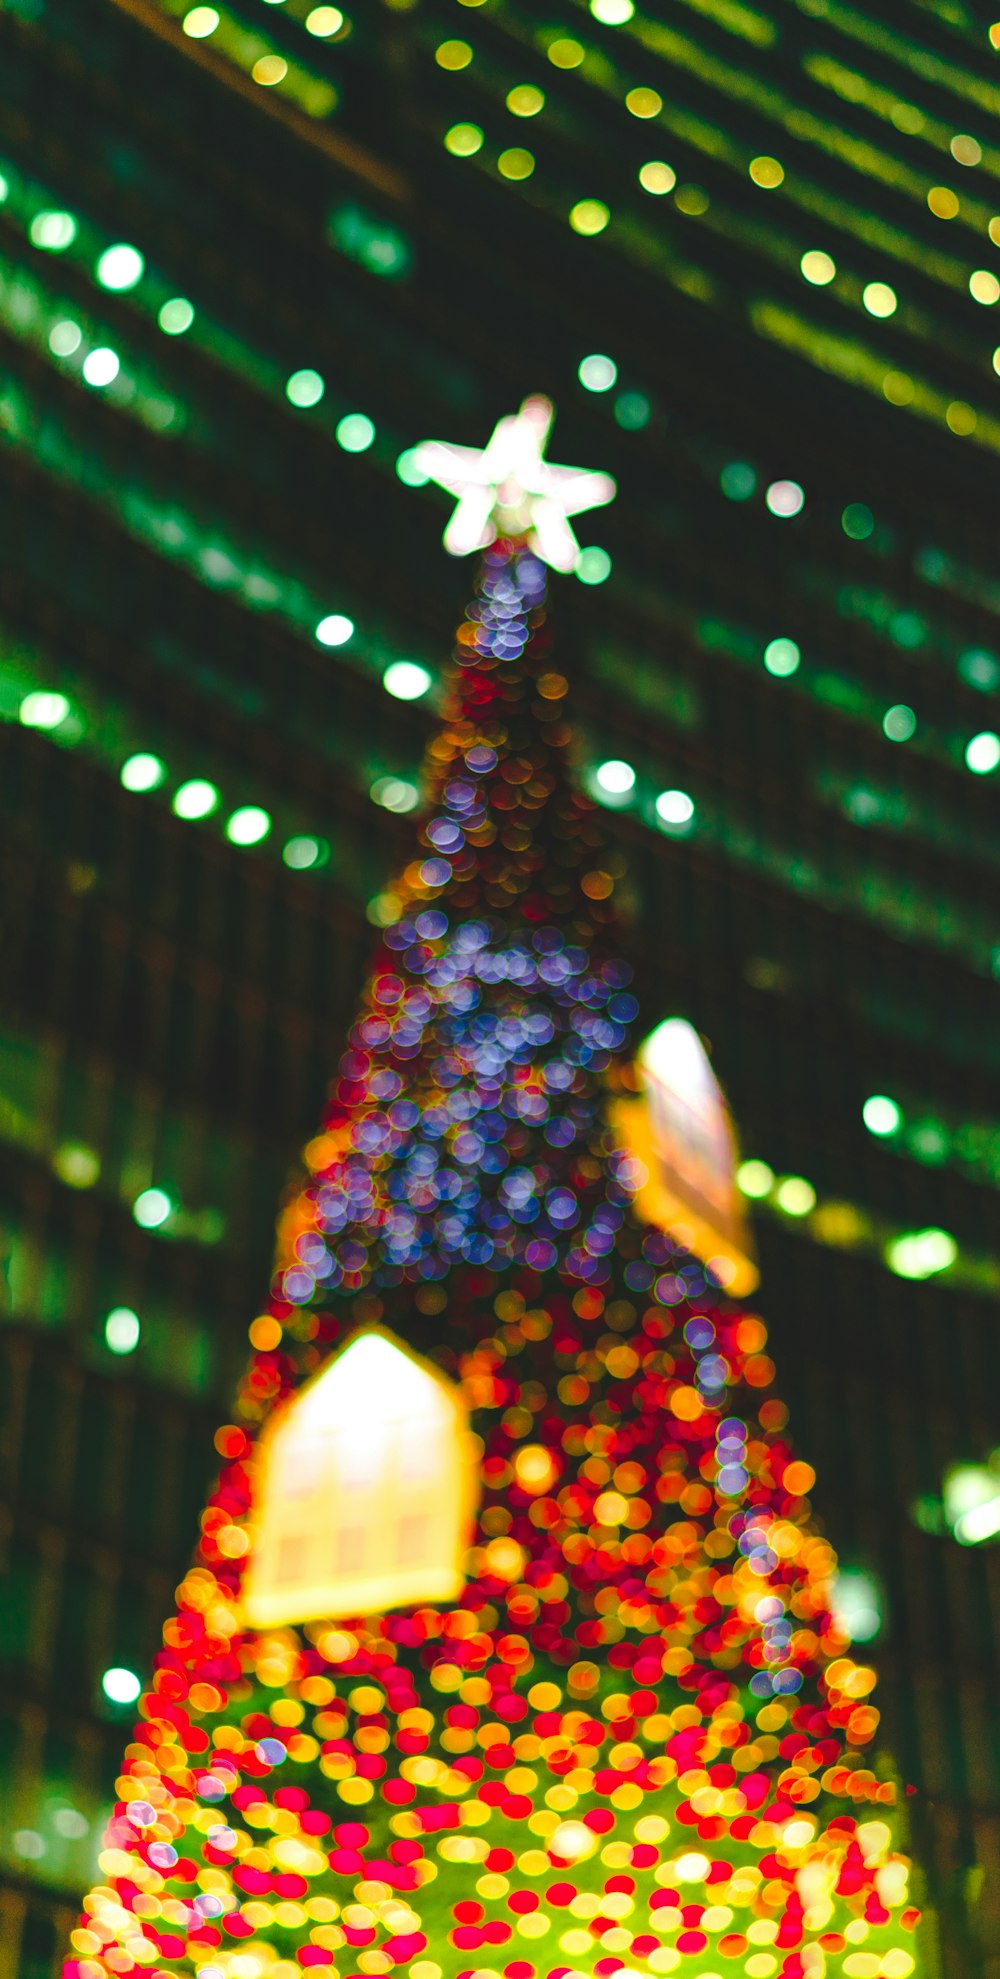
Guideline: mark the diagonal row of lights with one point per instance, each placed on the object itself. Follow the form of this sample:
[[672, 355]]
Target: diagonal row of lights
[[197, 798]]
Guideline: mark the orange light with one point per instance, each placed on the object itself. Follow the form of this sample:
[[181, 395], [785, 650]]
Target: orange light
[[686, 1404], [535, 1468], [265, 1334]]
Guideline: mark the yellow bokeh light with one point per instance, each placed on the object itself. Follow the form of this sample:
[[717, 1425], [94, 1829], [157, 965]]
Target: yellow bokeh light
[[644, 102], [657, 177], [961, 418], [966, 150], [269, 70], [571, 1841], [463, 140], [565, 53], [817, 267], [589, 216], [453, 55], [525, 100], [983, 286], [535, 1468], [323, 21], [943, 202], [200, 22], [515, 163], [898, 388], [766, 172], [879, 299]]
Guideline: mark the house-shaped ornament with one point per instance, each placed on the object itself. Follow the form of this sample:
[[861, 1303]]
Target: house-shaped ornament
[[369, 1483], [680, 1132]]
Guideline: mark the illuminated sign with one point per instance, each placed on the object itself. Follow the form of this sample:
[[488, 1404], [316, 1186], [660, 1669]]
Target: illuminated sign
[[679, 1132], [369, 1485]]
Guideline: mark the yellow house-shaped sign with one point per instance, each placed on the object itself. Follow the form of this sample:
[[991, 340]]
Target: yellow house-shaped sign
[[680, 1131], [369, 1484]]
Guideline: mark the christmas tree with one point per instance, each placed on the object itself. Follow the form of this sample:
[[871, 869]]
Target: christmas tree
[[632, 1737]]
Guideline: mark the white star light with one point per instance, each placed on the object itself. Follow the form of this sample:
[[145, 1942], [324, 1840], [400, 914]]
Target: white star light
[[507, 489]]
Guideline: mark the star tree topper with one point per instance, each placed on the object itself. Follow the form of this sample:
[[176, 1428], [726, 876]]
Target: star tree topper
[[507, 489]]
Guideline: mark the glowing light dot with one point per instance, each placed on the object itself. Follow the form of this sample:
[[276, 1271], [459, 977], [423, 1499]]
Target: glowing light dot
[[405, 680], [453, 55], [301, 853], [898, 388], [755, 1179], [304, 388], [921, 1253], [881, 1115], [394, 794], [943, 202], [572, 1841], [65, 339], [613, 13], [120, 267], [409, 469], [855, 1604], [984, 286], [120, 1686], [818, 267], [525, 100], [795, 1196], [644, 102], [515, 163], [324, 21], [121, 1330], [656, 177], [142, 772], [101, 367], [248, 825], [269, 70], [42, 709], [784, 498], [675, 809], [857, 522], [691, 1868], [195, 799], [879, 299], [899, 722], [782, 657], [738, 481], [152, 1208], [589, 216], [593, 565], [565, 53], [615, 778], [200, 22], [766, 172], [535, 1468], [597, 373], [463, 140], [355, 432], [983, 753], [798, 1834], [176, 316], [961, 418], [54, 232], [966, 150], [632, 411], [335, 629]]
